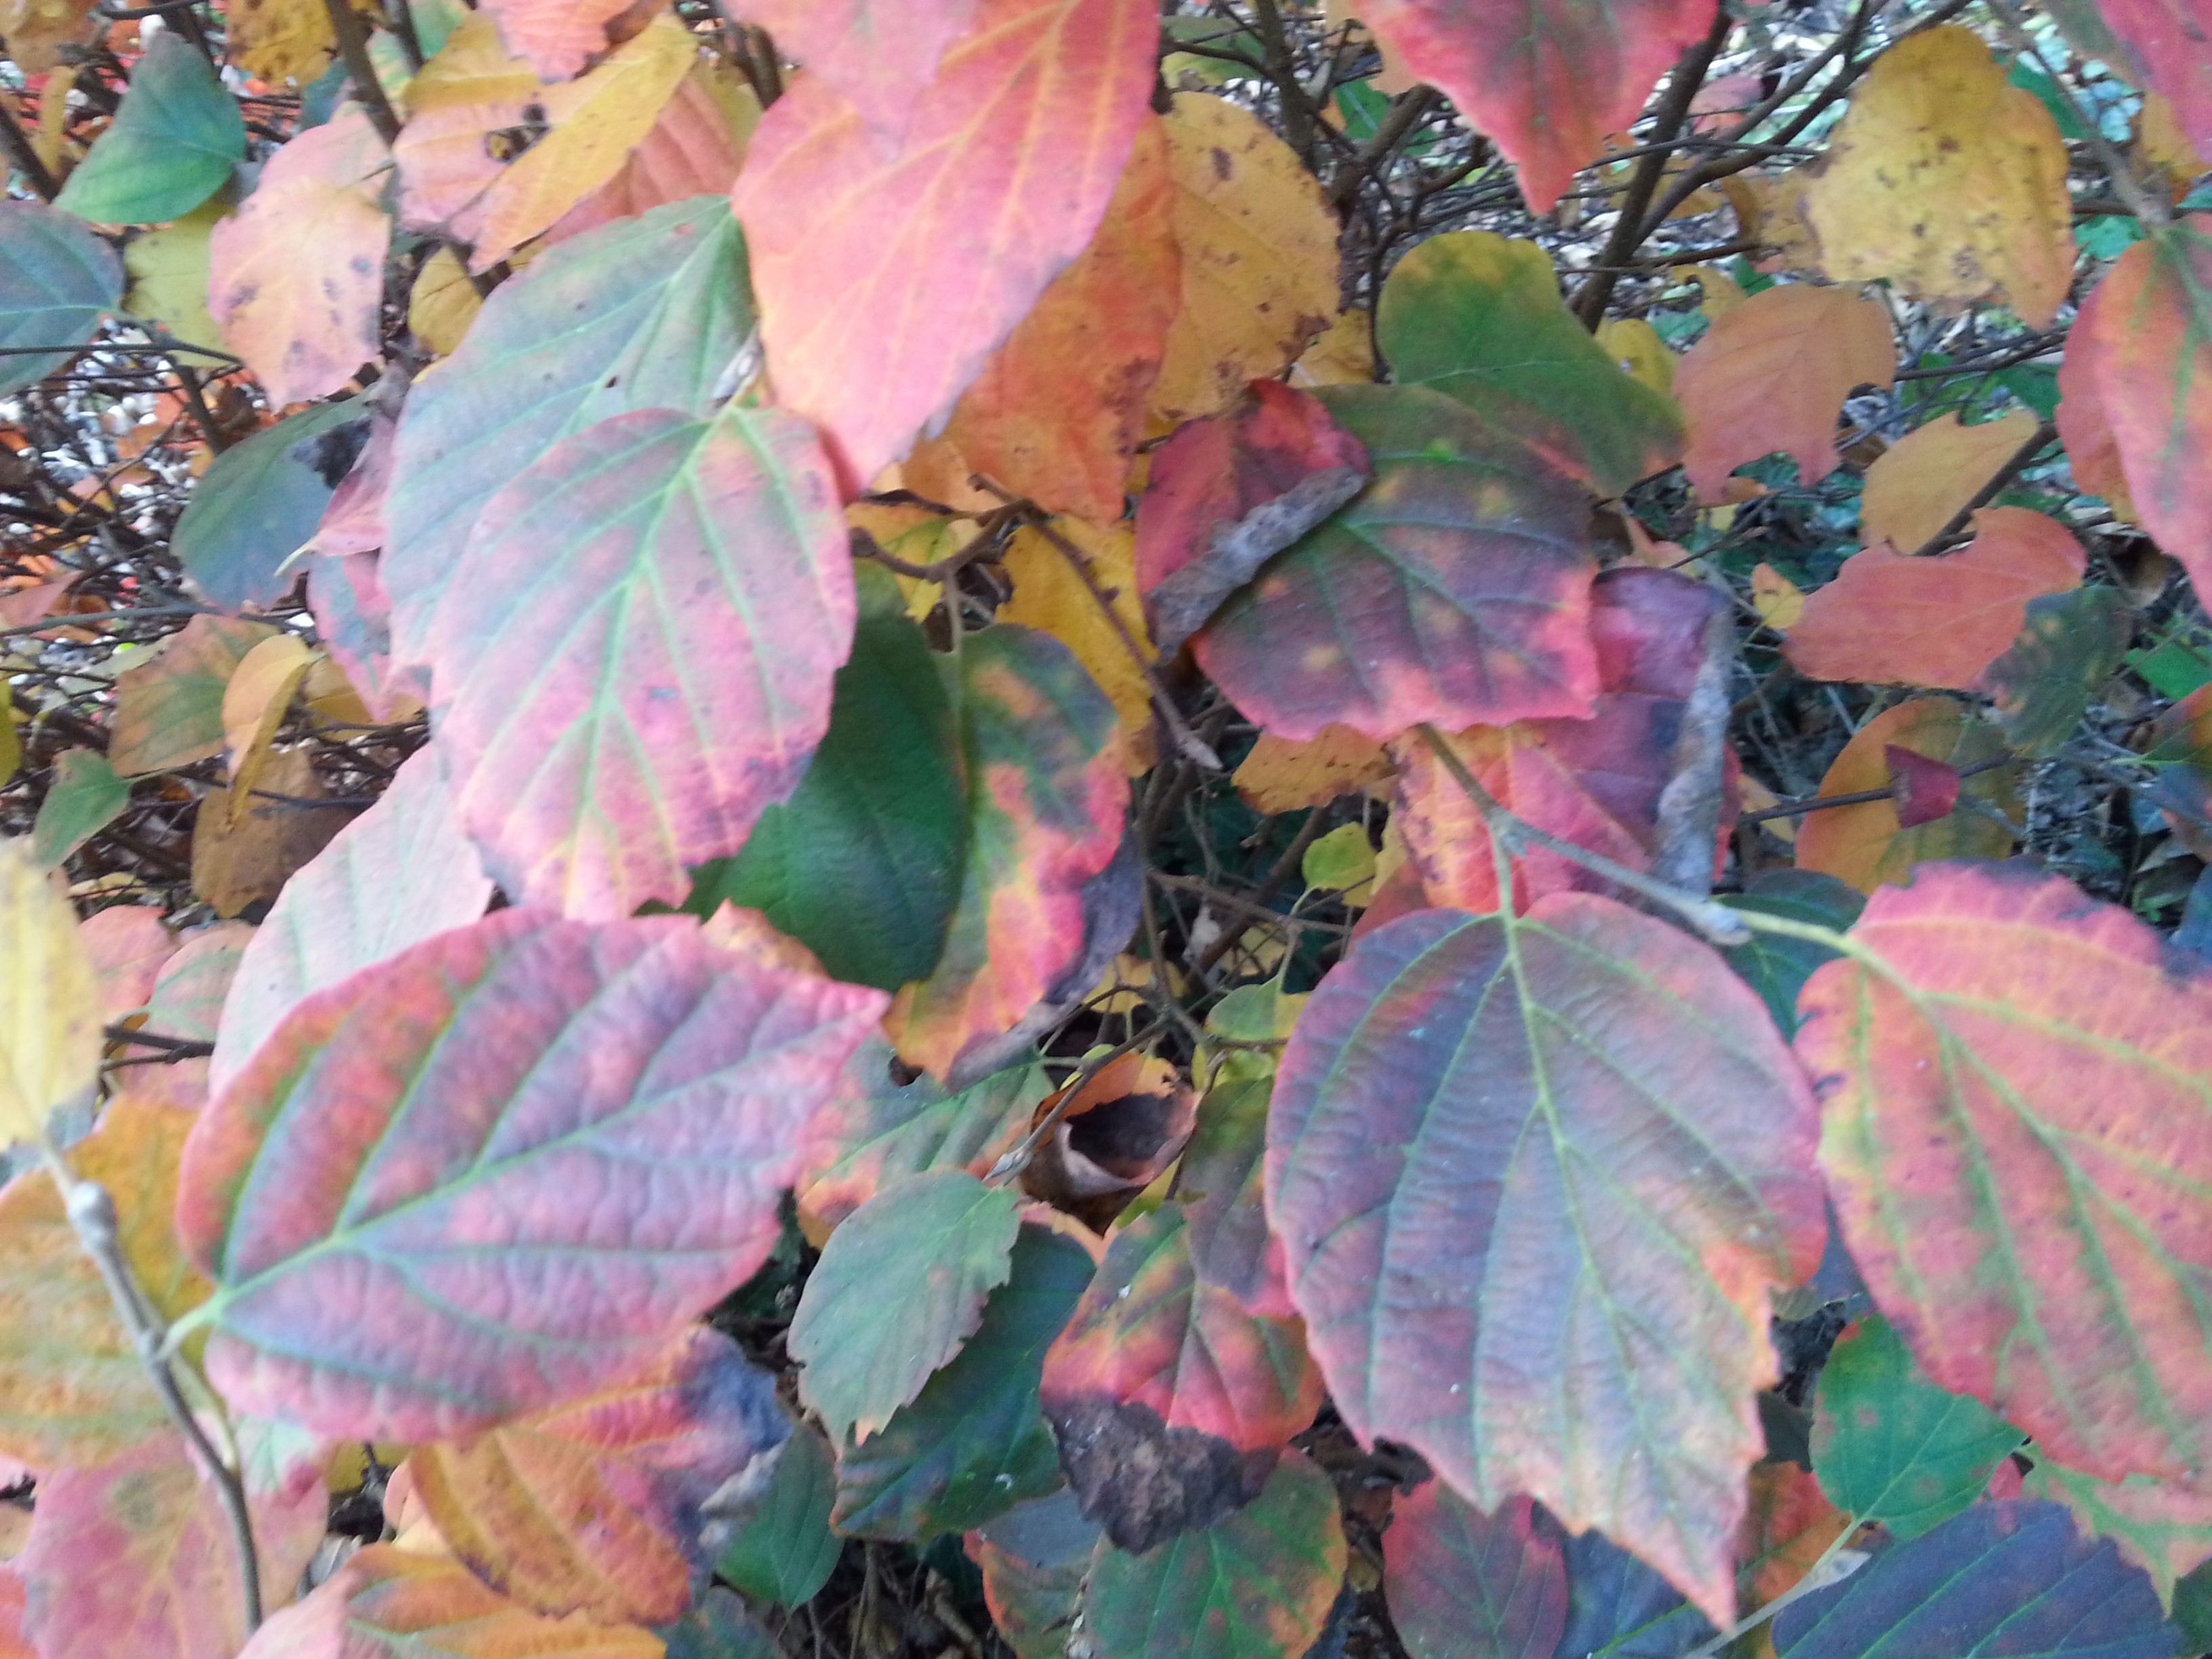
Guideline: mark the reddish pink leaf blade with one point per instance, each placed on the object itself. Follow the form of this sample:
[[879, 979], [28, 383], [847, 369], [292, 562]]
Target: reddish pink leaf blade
[[944, 241], [2018, 1144], [1461, 1580], [691, 151], [385, 1270], [1921, 790], [128, 944], [559, 37], [878, 55], [1547, 82], [2172, 55]]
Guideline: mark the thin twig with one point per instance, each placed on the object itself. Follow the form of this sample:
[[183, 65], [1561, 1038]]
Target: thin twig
[[171, 1048], [353, 50], [1689, 812], [36, 173], [2017, 463], [1797, 809]]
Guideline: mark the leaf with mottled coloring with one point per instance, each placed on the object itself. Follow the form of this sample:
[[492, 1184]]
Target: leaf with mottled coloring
[[83, 797], [1946, 180], [1259, 264], [973, 1444], [50, 1004], [1917, 484], [1461, 1583], [246, 842], [190, 990], [780, 1548], [695, 148], [382, 1272], [944, 239], [73, 1391], [1455, 589], [1057, 411], [2070, 646], [387, 1602], [900, 1286], [557, 37], [1890, 1446], [168, 273], [2011, 1576], [1052, 597], [128, 944], [1595, 782], [135, 1556], [400, 872], [2016, 1086], [644, 313], [878, 1129], [1256, 1584], [1619, 1608], [1772, 373], [1582, 1059], [1936, 620], [254, 702], [2163, 1527], [635, 655], [1478, 317], [2162, 45], [1047, 790], [1278, 776], [1786, 1531], [1867, 844], [174, 142], [259, 503], [1547, 84], [56, 280], [279, 40], [168, 711], [593, 1506], [296, 275], [878, 55], [2139, 354]]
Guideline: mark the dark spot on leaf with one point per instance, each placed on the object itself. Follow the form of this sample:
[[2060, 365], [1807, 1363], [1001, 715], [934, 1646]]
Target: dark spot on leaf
[[1144, 1481], [1223, 167], [331, 455]]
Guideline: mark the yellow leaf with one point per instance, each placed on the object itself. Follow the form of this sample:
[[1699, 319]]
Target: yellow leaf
[[49, 997], [1344, 355], [1753, 796], [1643, 356], [51, 138], [1779, 601], [1916, 487], [253, 706], [1773, 211], [2161, 146], [37, 30], [1948, 180], [1279, 775], [1049, 596], [1259, 259], [331, 694], [169, 270], [443, 302], [281, 40], [11, 745], [247, 860], [1721, 295], [134, 1154]]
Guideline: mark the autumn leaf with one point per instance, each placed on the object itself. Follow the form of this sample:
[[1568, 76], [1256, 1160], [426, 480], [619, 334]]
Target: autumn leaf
[[946, 238], [1052, 597], [559, 37], [2163, 1526], [254, 702], [175, 140], [241, 535], [280, 41], [1278, 776], [695, 148], [702, 1068], [57, 279], [1938, 620], [675, 595], [2008, 1024], [2164, 48], [1866, 843], [296, 275], [50, 1011], [878, 55], [247, 841], [168, 711], [1259, 261], [1947, 180], [1772, 373], [1057, 411], [1545, 87], [127, 944], [1919, 484], [1458, 1579], [168, 272], [1481, 1036]]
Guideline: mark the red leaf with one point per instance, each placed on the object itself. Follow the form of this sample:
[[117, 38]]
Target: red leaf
[[128, 944], [2171, 55], [1772, 373], [559, 37], [1865, 844], [1047, 791], [944, 241], [1462, 1582], [1226, 494], [135, 1557], [386, 1603], [1921, 790], [878, 55], [1455, 589], [1547, 82], [387, 1273], [2017, 1140], [634, 657], [1937, 621], [1595, 782], [1534, 1178], [2142, 353], [593, 1506]]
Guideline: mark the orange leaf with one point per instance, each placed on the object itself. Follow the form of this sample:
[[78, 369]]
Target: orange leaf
[[1938, 621], [942, 241], [1789, 1524], [1056, 413], [1864, 844], [1279, 775], [1918, 485], [1772, 373]]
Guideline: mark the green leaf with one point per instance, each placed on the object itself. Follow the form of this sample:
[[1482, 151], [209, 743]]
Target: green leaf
[[646, 312], [899, 1288], [56, 279], [1339, 861], [176, 139], [261, 500], [1890, 1446], [975, 1441], [85, 798], [1777, 967], [862, 864], [1256, 1584], [783, 1550], [718, 1628], [168, 711], [2070, 645], [1478, 317]]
